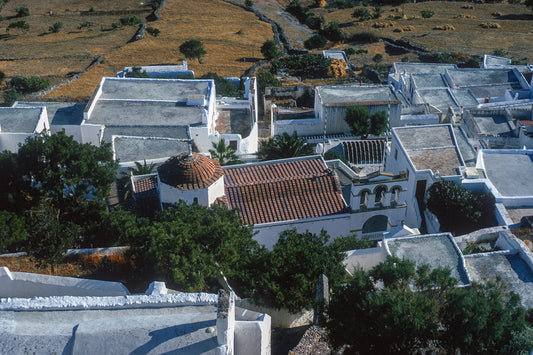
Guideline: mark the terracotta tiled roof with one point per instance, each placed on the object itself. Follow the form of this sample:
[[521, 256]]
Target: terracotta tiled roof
[[526, 123], [364, 151], [190, 172], [146, 184], [290, 190]]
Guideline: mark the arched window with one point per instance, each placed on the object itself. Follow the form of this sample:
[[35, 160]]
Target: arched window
[[395, 195], [379, 193], [195, 200], [363, 199]]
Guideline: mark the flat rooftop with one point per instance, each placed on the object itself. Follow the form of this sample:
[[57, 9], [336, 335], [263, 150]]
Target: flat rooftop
[[429, 80], [470, 77], [440, 98], [141, 113], [138, 149], [464, 97], [486, 91], [154, 89], [176, 330], [59, 113], [353, 94], [19, 120], [511, 268], [493, 126], [431, 147], [437, 250], [408, 68], [509, 173]]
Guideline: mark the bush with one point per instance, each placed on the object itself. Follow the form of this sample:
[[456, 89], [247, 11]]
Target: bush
[[19, 24], [313, 22], [332, 32], [266, 79], [85, 24], [316, 42], [460, 211], [192, 49], [500, 52], [249, 3], [362, 14], [427, 13], [130, 21], [364, 37], [10, 96], [305, 66], [56, 27], [294, 8], [378, 58], [349, 51], [514, 2], [153, 31], [29, 84], [137, 72], [223, 85], [22, 11], [269, 49], [361, 51]]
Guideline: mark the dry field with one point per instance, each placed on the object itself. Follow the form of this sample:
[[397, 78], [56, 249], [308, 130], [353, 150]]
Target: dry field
[[514, 34], [229, 34]]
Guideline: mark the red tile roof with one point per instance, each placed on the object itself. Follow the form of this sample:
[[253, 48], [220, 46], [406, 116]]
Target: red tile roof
[[273, 192], [146, 184], [192, 172]]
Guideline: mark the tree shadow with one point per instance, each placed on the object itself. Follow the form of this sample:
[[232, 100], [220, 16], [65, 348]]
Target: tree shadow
[[393, 50], [248, 60], [516, 17]]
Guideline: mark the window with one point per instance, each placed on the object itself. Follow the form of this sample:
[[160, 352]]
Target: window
[[395, 154], [395, 195], [363, 200], [195, 200], [233, 145], [380, 195]]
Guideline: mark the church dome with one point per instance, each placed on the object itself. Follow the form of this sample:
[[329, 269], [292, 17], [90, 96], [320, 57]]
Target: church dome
[[190, 172]]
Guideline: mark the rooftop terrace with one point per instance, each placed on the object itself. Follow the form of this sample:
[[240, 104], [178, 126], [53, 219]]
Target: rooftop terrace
[[19, 120], [347, 94], [407, 68], [437, 250], [59, 113], [129, 149], [469, 77], [509, 172]]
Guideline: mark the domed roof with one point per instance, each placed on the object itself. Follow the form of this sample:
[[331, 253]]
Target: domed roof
[[190, 172]]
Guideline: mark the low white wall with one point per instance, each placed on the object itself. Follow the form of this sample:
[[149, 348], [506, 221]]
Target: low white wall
[[302, 127], [280, 318], [27, 285], [364, 258], [432, 222], [252, 336]]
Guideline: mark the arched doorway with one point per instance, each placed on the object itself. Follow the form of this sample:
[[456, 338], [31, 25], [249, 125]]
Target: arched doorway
[[375, 224]]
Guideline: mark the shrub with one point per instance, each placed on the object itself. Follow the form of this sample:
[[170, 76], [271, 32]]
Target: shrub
[[405, 59], [115, 25], [349, 51], [362, 14], [294, 8], [332, 32], [361, 51], [153, 31], [500, 52], [313, 22], [427, 13], [266, 79], [249, 3], [378, 58], [364, 37], [192, 49], [137, 72], [29, 84], [56, 27], [270, 50], [19, 24], [316, 42], [85, 24], [10, 96], [130, 21], [304, 66], [22, 11], [514, 2]]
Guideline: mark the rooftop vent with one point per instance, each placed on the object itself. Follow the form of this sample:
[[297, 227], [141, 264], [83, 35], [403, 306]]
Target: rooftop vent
[[471, 173]]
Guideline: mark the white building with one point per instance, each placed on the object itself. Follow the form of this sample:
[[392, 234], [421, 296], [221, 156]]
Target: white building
[[17, 124]]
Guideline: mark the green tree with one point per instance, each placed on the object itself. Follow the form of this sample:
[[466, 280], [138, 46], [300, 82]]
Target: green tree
[[460, 211], [22, 25], [378, 58], [193, 49], [130, 21], [64, 170], [223, 86], [357, 118], [362, 124], [284, 146], [29, 84], [22, 11], [137, 72], [292, 269], [481, 319], [332, 32], [190, 245], [266, 79], [378, 123], [13, 232], [361, 14], [138, 169], [249, 3], [224, 153], [270, 50], [316, 42], [49, 236]]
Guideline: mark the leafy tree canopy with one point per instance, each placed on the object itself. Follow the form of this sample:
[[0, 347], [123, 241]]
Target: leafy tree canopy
[[419, 308], [270, 50], [192, 49], [362, 123], [189, 245], [287, 275], [223, 86], [304, 66], [137, 72], [284, 146], [460, 211], [29, 84]]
